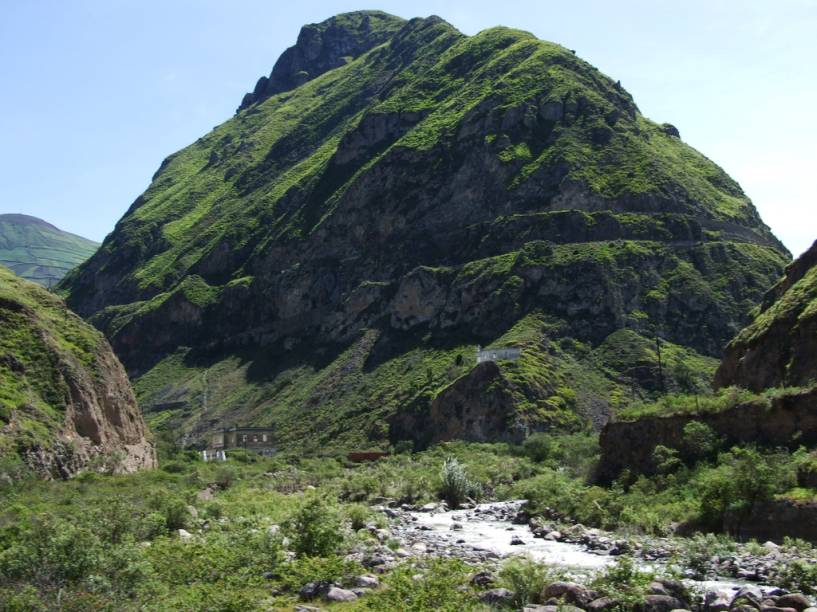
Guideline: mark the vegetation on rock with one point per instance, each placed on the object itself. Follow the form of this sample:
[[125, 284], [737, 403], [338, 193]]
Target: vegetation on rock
[[65, 401]]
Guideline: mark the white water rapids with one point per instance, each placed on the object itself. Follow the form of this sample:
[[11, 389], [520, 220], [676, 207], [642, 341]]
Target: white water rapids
[[482, 532]]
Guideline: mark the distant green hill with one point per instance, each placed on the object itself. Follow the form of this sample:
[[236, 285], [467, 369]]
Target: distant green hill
[[38, 251]]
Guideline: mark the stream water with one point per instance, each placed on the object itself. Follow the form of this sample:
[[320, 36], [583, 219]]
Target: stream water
[[481, 533]]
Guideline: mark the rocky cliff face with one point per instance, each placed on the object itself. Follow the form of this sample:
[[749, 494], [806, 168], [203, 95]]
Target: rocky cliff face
[[322, 47], [767, 422], [65, 400], [331, 256], [779, 348]]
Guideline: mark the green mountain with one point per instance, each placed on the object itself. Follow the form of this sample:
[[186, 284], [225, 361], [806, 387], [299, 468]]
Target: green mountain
[[38, 251], [396, 193], [779, 347], [64, 397]]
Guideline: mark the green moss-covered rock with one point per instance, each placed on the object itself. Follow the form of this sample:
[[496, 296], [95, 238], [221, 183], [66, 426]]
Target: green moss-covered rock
[[779, 347], [330, 257], [64, 397]]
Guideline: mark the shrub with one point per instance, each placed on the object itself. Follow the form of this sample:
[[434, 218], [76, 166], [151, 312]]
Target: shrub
[[527, 579], [798, 576], [243, 455], [315, 569], [455, 486], [743, 478], [624, 582], [699, 441], [23, 599], [404, 447], [699, 550], [358, 515], [316, 529], [665, 460], [439, 588], [537, 447], [224, 477], [174, 467], [51, 553]]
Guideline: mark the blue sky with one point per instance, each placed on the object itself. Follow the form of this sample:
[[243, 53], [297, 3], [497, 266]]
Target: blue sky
[[95, 93]]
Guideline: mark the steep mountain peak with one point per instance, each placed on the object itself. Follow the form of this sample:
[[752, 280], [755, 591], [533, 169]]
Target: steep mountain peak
[[327, 259], [322, 47]]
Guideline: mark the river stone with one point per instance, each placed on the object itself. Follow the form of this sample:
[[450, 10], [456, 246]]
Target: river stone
[[661, 603], [602, 603], [569, 592], [776, 609], [483, 579], [675, 588], [497, 597], [798, 601], [185, 535], [517, 541], [549, 608], [313, 590], [717, 601], [367, 581], [338, 594]]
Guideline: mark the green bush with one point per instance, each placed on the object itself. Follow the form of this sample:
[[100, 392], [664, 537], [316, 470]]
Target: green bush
[[314, 569], [665, 460], [225, 476], [537, 447], [51, 553], [743, 477], [624, 582], [455, 487], [359, 515], [438, 588], [798, 576], [316, 529], [699, 441], [527, 579]]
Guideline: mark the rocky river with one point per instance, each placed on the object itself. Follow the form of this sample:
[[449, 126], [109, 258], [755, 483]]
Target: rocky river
[[485, 534]]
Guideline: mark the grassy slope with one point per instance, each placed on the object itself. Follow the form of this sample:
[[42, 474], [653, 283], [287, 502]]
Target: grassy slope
[[39, 251], [37, 334]]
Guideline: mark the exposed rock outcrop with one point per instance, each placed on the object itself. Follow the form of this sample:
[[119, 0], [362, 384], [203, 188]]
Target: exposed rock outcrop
[[776, 422], [478, 407], [65, 400], [779, 348], [322, 47], [775, 520]]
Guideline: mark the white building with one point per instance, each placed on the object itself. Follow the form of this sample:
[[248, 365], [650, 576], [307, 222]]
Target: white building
[[498, 354]]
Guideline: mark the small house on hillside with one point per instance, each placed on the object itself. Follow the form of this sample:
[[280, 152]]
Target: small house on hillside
[[497, 354], [257, 439]]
